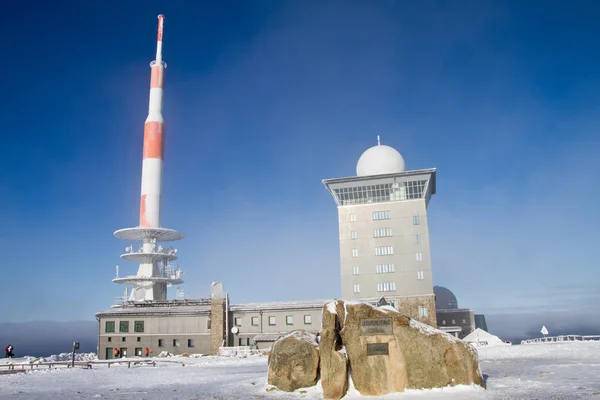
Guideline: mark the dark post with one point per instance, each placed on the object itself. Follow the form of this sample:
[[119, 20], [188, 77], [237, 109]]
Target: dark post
[[75, 347]]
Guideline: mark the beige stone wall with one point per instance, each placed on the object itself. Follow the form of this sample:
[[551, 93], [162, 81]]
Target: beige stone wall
[[217, 324], [409, 306]]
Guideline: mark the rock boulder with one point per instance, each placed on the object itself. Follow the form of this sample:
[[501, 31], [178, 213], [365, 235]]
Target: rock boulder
[[389, 352], [334, 362], [294, 361]]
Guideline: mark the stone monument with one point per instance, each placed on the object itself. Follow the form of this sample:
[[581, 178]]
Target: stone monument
[[384, 351]]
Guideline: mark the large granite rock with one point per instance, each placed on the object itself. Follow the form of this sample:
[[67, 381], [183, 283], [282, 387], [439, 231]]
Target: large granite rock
[[334, 362], [418, 356], [294, 361]]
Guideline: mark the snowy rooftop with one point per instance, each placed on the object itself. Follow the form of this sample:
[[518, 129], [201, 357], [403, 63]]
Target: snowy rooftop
[[280, 305], [187, 307], [171, 307], [453, 310]]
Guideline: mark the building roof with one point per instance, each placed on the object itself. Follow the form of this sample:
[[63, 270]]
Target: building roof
[[380, 159], [348, 179], [453, 310], [444, 299], [280, 305], [159, 308]]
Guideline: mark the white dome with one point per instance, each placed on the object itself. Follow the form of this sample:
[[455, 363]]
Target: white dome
[[380, 159]]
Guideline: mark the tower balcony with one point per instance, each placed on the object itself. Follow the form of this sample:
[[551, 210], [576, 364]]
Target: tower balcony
[[135, 280], [161, 254], [144, 234]]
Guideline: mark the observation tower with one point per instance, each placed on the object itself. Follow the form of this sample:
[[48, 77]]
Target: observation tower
[[383, 232], [156, 269]]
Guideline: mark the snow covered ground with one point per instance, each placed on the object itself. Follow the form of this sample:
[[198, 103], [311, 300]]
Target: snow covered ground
[[542, 371]]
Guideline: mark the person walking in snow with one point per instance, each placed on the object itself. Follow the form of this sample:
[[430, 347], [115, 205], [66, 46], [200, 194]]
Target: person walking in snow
[[146, 352], [116, 353], [9, 351]]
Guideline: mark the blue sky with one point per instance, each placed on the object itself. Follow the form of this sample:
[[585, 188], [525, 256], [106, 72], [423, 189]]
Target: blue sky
[[264, 99]]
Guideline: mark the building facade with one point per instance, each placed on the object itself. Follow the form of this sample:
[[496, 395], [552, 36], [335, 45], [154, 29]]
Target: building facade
[[459, 321], [383, 233], [172, 326], [200, 326]]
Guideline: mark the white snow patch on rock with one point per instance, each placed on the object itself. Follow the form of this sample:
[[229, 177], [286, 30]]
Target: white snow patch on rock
[[430, 330], [331, 307], [302, 335]]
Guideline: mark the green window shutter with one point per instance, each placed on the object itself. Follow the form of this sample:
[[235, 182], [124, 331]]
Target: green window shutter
[[138, 326]]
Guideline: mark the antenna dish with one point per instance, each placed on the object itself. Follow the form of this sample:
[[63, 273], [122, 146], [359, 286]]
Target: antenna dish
[[235, 330]]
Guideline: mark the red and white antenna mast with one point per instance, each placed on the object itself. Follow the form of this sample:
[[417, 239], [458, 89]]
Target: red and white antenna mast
[[156, 270], [153, 141]]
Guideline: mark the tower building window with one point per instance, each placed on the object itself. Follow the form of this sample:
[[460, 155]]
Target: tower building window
[[419, 256], [353, 235], [356, 289], [423, 312], [385, 268], [416, 220], [418, 238], [420, 275], [352, 217], [355, 270], [381, 215], [382, 232], [384, 251], [271, 321], [386, 286], [380, 193], [254, 321], [354, 253], [289, 320]]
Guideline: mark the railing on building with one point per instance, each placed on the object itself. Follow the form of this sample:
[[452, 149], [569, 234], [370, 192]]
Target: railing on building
[[561, 338]]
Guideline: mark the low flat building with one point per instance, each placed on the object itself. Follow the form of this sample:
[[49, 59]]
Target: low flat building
[[200, 326], [451, 319], [460, 320]]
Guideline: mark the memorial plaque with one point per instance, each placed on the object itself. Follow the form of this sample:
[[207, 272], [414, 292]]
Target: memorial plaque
[[376, 326], [377, 349]]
